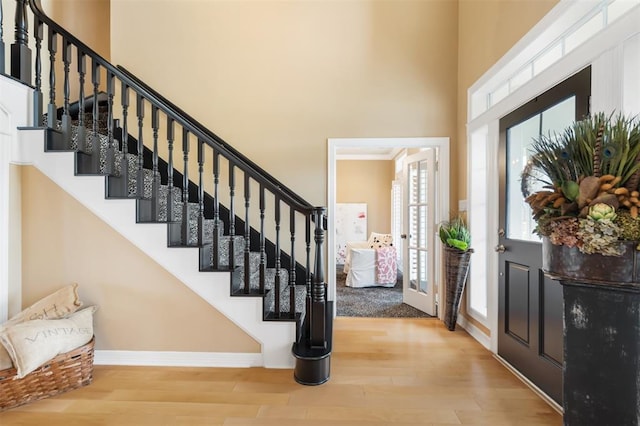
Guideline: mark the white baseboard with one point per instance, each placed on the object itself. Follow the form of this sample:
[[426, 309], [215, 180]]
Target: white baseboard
[[178, 359], [474, 331]]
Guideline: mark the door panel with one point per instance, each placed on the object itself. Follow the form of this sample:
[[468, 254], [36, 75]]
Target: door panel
[[551, 321], [419, 245], [517, 310], [530, 304]]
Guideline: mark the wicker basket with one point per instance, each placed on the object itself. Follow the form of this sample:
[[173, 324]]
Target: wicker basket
[[456, 265], [67, 371]]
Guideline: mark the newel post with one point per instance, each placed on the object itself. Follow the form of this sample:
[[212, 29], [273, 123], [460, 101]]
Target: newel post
[[20, 52], [318, 305]]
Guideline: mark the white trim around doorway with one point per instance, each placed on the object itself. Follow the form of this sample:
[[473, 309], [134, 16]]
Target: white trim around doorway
[[334, 144]]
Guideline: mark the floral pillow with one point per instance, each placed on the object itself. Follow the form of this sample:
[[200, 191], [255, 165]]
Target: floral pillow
[[380, 240]]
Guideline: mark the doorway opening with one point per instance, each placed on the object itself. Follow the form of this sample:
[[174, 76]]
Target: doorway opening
[[395, 151]]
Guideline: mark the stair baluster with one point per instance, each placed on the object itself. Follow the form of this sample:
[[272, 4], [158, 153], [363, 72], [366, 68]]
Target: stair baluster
[[247, 236], [184, 235], [307, 239], [110, 161], [170, 138], [216, 211], [292, 264], [124, 146], [118, 186], [82, 132], [232, 216], [200, 192], [66, 117], [95, 146], [155, 188], [37, 94], [276, 284], [140, 147], [263, 255], [51, 109]]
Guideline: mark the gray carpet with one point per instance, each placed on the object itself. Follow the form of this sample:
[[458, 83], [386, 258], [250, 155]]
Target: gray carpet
[[374, 302]]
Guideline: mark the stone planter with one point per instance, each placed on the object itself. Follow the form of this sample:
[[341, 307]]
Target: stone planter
[[601, 374], [569, 263]]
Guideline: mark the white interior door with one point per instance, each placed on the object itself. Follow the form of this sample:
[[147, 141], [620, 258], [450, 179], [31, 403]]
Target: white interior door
[[419, 289]]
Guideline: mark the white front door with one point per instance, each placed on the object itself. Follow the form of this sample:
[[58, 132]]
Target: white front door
[[419, 287]]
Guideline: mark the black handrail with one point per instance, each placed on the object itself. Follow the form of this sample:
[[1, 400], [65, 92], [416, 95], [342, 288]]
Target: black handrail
[[197, 129]]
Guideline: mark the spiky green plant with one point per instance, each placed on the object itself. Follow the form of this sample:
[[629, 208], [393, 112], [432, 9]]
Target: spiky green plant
[[622, 150], [566, 156], [591, 174], [454, 233], [595, 146]]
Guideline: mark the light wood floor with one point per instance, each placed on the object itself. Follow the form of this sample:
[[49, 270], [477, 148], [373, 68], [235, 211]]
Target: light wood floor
[[383, 372]]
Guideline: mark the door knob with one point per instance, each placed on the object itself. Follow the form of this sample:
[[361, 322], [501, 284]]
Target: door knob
[[403, 236], [500, 248]]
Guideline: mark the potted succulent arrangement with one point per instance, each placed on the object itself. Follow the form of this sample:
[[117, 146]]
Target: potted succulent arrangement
[[583, 189], [455, 236], [587, 179]]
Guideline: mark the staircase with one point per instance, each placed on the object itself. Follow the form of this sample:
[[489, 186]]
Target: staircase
[[196, 230], [210, 198]]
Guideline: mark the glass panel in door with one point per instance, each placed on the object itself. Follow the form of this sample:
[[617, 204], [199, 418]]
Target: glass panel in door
[[520, 224], [419, 289]]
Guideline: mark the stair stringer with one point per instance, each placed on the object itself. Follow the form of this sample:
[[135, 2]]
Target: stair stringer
[[275, 337]]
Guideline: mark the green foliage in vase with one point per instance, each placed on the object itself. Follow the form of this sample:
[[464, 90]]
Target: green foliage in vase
[[454, 233]]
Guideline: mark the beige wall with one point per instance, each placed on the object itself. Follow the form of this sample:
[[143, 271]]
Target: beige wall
[[367, 181], [277, 78], [142, 306], [88, 20], [486, 31]]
